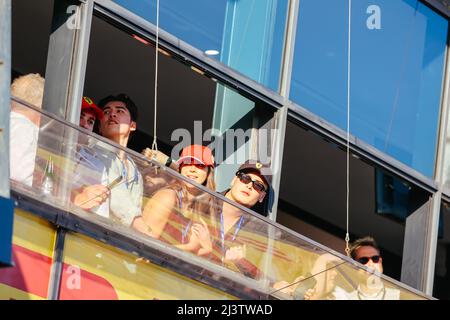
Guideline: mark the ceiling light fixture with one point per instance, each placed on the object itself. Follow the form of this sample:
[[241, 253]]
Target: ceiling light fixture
[[212, 52]]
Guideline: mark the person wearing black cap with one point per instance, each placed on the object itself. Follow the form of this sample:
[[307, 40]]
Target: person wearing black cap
[[249, 187], [251, 184]]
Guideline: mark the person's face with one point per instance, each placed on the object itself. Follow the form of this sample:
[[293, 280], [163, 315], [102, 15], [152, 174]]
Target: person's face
[[87, 120], [245, 194], [195, 172], [116, 121], [369, 252]]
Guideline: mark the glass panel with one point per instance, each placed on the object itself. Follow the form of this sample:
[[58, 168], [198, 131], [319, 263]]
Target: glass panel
[[192, 107], [245, 35], [397, 62], [125, 192], [345, 281], [95, 271], [312, 198]]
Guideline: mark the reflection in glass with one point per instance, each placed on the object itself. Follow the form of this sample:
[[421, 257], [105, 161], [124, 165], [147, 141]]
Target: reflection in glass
[[396, 73], [245, 35]]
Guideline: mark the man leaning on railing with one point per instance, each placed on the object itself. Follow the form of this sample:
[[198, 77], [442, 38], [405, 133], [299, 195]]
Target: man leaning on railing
[[118, 194]]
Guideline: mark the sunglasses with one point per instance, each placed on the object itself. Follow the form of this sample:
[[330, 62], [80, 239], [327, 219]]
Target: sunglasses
[[365, 260], [246, 179]]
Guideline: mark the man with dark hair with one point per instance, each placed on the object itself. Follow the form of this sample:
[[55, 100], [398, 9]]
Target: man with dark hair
[[371, 287], [323, 285], [124, 100], [119, 193], [361, 246]]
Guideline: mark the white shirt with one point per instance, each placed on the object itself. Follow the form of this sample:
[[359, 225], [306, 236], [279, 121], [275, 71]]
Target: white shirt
[[23, 144], [383, 294], [102, 166]]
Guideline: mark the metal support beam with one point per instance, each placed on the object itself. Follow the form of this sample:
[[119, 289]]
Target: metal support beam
[[431, 244], [440, 172], [6, 205], [414, 248], [77, 78], [280, 120], [67, 58], [280, 117], [57, 265], [5, 80], [289, 46]]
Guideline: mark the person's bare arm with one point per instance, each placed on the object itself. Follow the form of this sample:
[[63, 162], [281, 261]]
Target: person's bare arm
[[318, 270], [140, 225], [90, 196], [160, 157], [157, 211]]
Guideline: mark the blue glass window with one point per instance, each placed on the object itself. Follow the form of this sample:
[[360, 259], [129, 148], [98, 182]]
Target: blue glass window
[[397, 65], [248, 35]]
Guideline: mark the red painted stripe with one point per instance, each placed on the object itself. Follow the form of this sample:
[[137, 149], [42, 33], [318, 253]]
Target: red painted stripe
[[31, 272], [89, 286]]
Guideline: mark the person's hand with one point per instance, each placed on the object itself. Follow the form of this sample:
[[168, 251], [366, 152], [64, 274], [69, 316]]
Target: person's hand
[[155, 155], [235, 253], [309, 294], [201, 232], [91, 196], [321, 263], [284, 286]]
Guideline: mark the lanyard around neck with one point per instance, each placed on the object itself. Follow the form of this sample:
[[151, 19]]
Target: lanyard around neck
[[180, 205], [222, 230], [124, 171]]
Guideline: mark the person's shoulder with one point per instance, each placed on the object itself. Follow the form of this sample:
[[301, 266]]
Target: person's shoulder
[[167, 194], [19, 120], [340, 294]]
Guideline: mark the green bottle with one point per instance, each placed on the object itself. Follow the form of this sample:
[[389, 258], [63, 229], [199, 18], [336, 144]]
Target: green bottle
[[48, 180]]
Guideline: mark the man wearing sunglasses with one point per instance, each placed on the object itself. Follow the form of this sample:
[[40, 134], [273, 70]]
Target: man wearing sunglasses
[[251, 184], [366, 251], [323, 285], [249, 188]]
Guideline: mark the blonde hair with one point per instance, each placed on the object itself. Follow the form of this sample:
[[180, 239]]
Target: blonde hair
[[29, 88]]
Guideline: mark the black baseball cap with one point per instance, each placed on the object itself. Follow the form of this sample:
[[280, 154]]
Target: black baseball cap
[[262, 169]]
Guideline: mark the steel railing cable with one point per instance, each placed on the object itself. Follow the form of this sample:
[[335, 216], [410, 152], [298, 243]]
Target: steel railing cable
[[155, 142], [347, 234]]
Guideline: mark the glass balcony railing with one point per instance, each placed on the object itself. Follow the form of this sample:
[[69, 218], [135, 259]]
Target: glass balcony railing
[[116, 188]]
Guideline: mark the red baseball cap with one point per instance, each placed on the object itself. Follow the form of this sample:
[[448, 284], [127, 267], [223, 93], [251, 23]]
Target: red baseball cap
[[88, 105], [196, 154]]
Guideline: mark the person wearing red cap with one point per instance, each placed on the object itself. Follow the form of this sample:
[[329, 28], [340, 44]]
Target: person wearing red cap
[[165, 214], [89, 114]]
